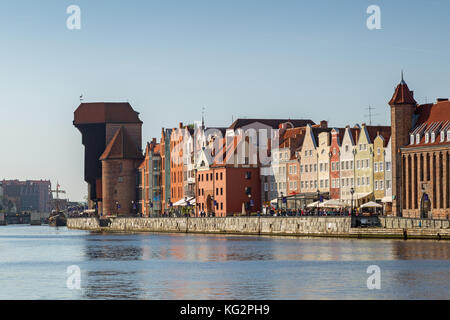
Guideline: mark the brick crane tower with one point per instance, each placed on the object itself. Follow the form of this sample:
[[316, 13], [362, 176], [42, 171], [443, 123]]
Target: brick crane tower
[[112, 137]]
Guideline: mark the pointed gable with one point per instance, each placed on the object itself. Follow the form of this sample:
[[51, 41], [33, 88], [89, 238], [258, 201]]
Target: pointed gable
[[402, 95], [121, 147]]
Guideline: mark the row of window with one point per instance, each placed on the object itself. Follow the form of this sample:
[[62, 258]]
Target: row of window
[[416, 139], [219, 191], [209, 176]]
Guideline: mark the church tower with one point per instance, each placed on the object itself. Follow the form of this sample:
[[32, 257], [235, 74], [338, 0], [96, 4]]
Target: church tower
[[403, 107]]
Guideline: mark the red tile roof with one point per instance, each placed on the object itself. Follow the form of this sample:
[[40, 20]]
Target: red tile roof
[[373, 131], [121, 147], [274, 123], [432, 118], [402, 95]]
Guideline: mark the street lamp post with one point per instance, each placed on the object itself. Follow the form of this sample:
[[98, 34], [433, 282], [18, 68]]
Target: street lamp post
[[282, 200], [352, 191], [318, 200]]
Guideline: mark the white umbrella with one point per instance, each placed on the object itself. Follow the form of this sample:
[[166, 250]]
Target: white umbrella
[[371, 204], [313, 204], [333, 203]]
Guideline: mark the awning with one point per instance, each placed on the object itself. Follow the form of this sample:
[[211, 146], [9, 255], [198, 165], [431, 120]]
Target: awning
[[313, 204], [361, 195], [183, 203], [387, 199], [371, 204], [274, 201], [333, 203]]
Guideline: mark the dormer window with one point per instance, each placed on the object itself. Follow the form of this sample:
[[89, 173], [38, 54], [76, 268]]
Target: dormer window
[[427, 137], [411, 139], [417, 138], [433, 137], [442, 136], [448, 135]]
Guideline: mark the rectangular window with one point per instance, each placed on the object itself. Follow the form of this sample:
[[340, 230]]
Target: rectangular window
[[266, 187]]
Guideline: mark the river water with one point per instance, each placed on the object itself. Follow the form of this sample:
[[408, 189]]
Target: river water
[[34, 261]]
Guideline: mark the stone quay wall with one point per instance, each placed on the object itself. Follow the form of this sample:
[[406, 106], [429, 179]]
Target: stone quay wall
[[391, 227]]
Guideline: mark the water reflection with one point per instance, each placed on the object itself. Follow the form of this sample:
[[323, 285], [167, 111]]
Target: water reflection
[[33, 262], [417, 249]]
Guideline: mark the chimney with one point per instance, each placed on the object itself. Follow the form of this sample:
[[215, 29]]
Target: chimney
[[180, 125], [363, 124], [324, 124], [154, 140]]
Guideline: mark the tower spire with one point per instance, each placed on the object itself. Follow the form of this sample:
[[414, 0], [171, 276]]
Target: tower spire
[[203, 118], [403, 81]]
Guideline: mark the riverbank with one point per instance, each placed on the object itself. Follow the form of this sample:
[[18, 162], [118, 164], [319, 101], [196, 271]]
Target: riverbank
[[388, 227]]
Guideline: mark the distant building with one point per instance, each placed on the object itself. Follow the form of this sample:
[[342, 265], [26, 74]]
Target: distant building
[[30, 195]]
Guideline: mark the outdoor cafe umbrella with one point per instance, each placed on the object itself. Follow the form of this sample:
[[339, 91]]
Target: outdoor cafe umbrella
[[333, 203], [313, 204], [371, 204]]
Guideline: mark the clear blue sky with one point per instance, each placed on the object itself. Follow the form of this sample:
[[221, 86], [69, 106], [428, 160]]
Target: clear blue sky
[[241, 58]]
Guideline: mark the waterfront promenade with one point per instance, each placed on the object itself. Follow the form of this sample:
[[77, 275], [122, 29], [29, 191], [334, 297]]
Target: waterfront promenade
[[385, 227]]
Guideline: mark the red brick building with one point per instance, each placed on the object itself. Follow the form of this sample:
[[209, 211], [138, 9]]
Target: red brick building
[[120, 162], [226, 187], [101, 123], [420, 156]]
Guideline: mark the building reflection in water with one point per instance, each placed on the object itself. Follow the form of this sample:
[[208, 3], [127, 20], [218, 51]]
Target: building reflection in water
[[115, 255], [186, 266], [420, 249]]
